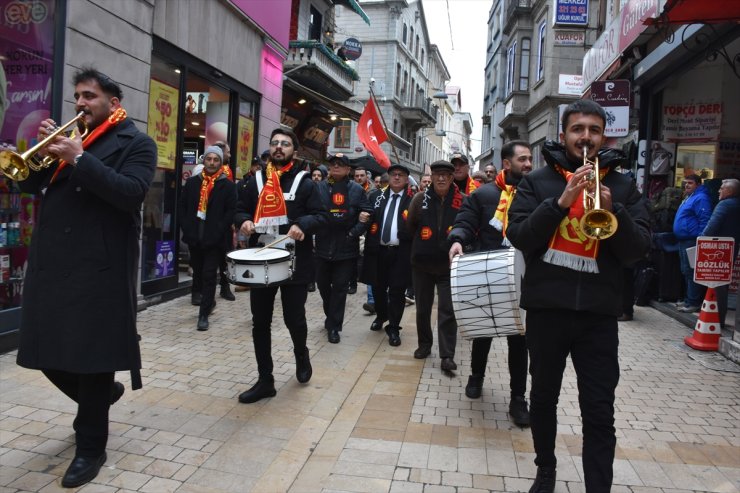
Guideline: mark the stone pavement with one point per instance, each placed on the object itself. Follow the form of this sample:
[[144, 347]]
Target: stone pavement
[[372, 419]]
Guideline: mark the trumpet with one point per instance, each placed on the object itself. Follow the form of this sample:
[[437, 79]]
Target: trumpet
[[17, 166], [596, 223]]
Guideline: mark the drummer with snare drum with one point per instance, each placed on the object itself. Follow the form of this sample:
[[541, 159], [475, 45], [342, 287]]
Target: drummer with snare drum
[[281, 201], [480, 224]]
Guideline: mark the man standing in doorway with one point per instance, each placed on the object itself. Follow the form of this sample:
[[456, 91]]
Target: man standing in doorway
[[482, 221], [262, 209], [572, 287]]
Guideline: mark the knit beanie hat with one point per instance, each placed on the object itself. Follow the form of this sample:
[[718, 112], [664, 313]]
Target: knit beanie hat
[[216, 150]]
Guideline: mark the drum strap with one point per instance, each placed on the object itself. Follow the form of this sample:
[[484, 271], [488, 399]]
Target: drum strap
[[290, 196]]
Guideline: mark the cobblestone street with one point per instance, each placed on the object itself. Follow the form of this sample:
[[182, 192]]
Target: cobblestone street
[[372, 418]]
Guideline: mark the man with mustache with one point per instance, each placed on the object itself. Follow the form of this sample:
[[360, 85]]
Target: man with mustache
[[572, 287], [78, 321], [261, 209]]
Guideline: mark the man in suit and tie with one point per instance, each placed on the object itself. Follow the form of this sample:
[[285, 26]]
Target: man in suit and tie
[[387, 266]]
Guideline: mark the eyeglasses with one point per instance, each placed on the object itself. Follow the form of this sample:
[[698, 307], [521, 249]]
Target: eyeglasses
[[281, 143]]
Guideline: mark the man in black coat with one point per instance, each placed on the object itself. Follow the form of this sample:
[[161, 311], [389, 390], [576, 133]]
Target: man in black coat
[[481, 224], [338, 243], [206, 212], [281, 199], [387, 266], [78, 321], [572, 287]]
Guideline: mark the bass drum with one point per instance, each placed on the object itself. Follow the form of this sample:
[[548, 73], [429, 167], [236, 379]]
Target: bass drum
[[259, 266], [485, 293]]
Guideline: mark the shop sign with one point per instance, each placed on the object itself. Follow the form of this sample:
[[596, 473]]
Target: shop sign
[[727, 159], [714, 259], [692, 122], [162, 121], [573, 12], [352, 48], [244, 144], [570, 85], [614, 97], [632, 16], [165, 259], [569, 38], [603, 53]]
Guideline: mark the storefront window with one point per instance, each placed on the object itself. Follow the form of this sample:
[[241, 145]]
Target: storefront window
[[695, 159], [244, 151]]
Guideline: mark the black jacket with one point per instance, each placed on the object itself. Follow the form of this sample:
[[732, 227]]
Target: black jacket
[[306, 210], [340, 238], [79, 293], [430, 220], [219, 213], [534, 216], [472, 228]]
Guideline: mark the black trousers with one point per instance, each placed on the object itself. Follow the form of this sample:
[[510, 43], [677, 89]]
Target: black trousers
[[628, 291], [205, 262], [262, 301], [92, 393], [592, 342], [333, 278], [446, 323], [517, 361], [389, 292]]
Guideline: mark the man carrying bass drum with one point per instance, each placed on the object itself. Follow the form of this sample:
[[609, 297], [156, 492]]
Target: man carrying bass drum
[[482, 223]]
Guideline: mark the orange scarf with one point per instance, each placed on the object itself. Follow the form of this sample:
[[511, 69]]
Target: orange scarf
[[114, 119], [569, 247], [501, 216], [470, 185], [227, 172], [205, 191], [271, 209]]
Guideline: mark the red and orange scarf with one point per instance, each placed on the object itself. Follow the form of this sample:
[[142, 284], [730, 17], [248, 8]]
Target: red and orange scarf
[[271, 210], [114, 119], [205, 191], [569, 247], [500, 219]]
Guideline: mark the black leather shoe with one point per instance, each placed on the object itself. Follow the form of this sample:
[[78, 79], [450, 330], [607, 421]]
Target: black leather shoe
[[311, 287], [303, 370], [82, 470], [352, 289], [334, 336], [116, 392], [625, 317], [203, 323], [545, 480], [377, 324], [474, 387], [265, 387], [226, 293], [448, 364], [422, 352], [518, 411], [196, 298], [394, 338], [369, 307]]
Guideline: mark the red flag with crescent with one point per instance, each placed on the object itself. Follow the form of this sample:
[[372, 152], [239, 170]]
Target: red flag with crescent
[[371, 133]]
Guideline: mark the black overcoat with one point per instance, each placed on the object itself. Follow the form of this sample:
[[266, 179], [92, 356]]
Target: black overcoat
[[219, 213], [79, 293]]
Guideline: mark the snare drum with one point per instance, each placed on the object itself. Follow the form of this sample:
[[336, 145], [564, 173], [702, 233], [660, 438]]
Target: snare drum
[[485, 293], [259, 266]]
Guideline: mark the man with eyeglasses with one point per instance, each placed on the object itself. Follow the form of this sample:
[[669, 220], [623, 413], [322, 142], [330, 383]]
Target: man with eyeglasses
[[338, 243], [431, 216], [387, 252], [263, 208], [691, 218]]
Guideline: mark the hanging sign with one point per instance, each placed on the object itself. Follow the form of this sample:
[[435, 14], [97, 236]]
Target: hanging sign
[[162, 121]]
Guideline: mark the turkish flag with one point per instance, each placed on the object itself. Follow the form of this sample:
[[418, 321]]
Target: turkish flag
[[371, 133]]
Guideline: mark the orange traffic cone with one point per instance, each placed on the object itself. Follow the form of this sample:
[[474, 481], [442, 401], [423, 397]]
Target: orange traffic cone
[[707, 331]]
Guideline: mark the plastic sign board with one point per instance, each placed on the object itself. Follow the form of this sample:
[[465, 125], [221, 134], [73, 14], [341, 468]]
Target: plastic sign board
[[713, 265]]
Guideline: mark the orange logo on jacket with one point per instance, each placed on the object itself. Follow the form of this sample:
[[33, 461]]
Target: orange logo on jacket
[[374, 228], [337, 198], [425, 233]]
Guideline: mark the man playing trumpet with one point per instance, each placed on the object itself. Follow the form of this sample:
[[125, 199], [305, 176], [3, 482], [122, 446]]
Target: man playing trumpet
[[572, 287], [78, 323]]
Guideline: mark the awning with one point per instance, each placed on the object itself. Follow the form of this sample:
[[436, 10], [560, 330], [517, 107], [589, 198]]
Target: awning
[[697, 12], [352, 4]]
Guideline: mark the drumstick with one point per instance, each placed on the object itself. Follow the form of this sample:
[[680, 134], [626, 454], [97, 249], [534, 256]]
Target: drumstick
[[272, 244]]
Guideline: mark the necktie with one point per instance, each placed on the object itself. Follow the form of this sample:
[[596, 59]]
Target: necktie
[[386, 236]]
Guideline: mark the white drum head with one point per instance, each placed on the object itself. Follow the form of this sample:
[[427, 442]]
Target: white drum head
[[249, 255]]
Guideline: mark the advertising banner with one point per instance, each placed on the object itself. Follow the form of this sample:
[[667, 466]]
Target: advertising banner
[[728, 159], [573, 12], [244, 142], [692, 121], [162, 126], [713, 264], [614, 97], [569, 38], [165, 259], [27, 54], [570, 85]]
